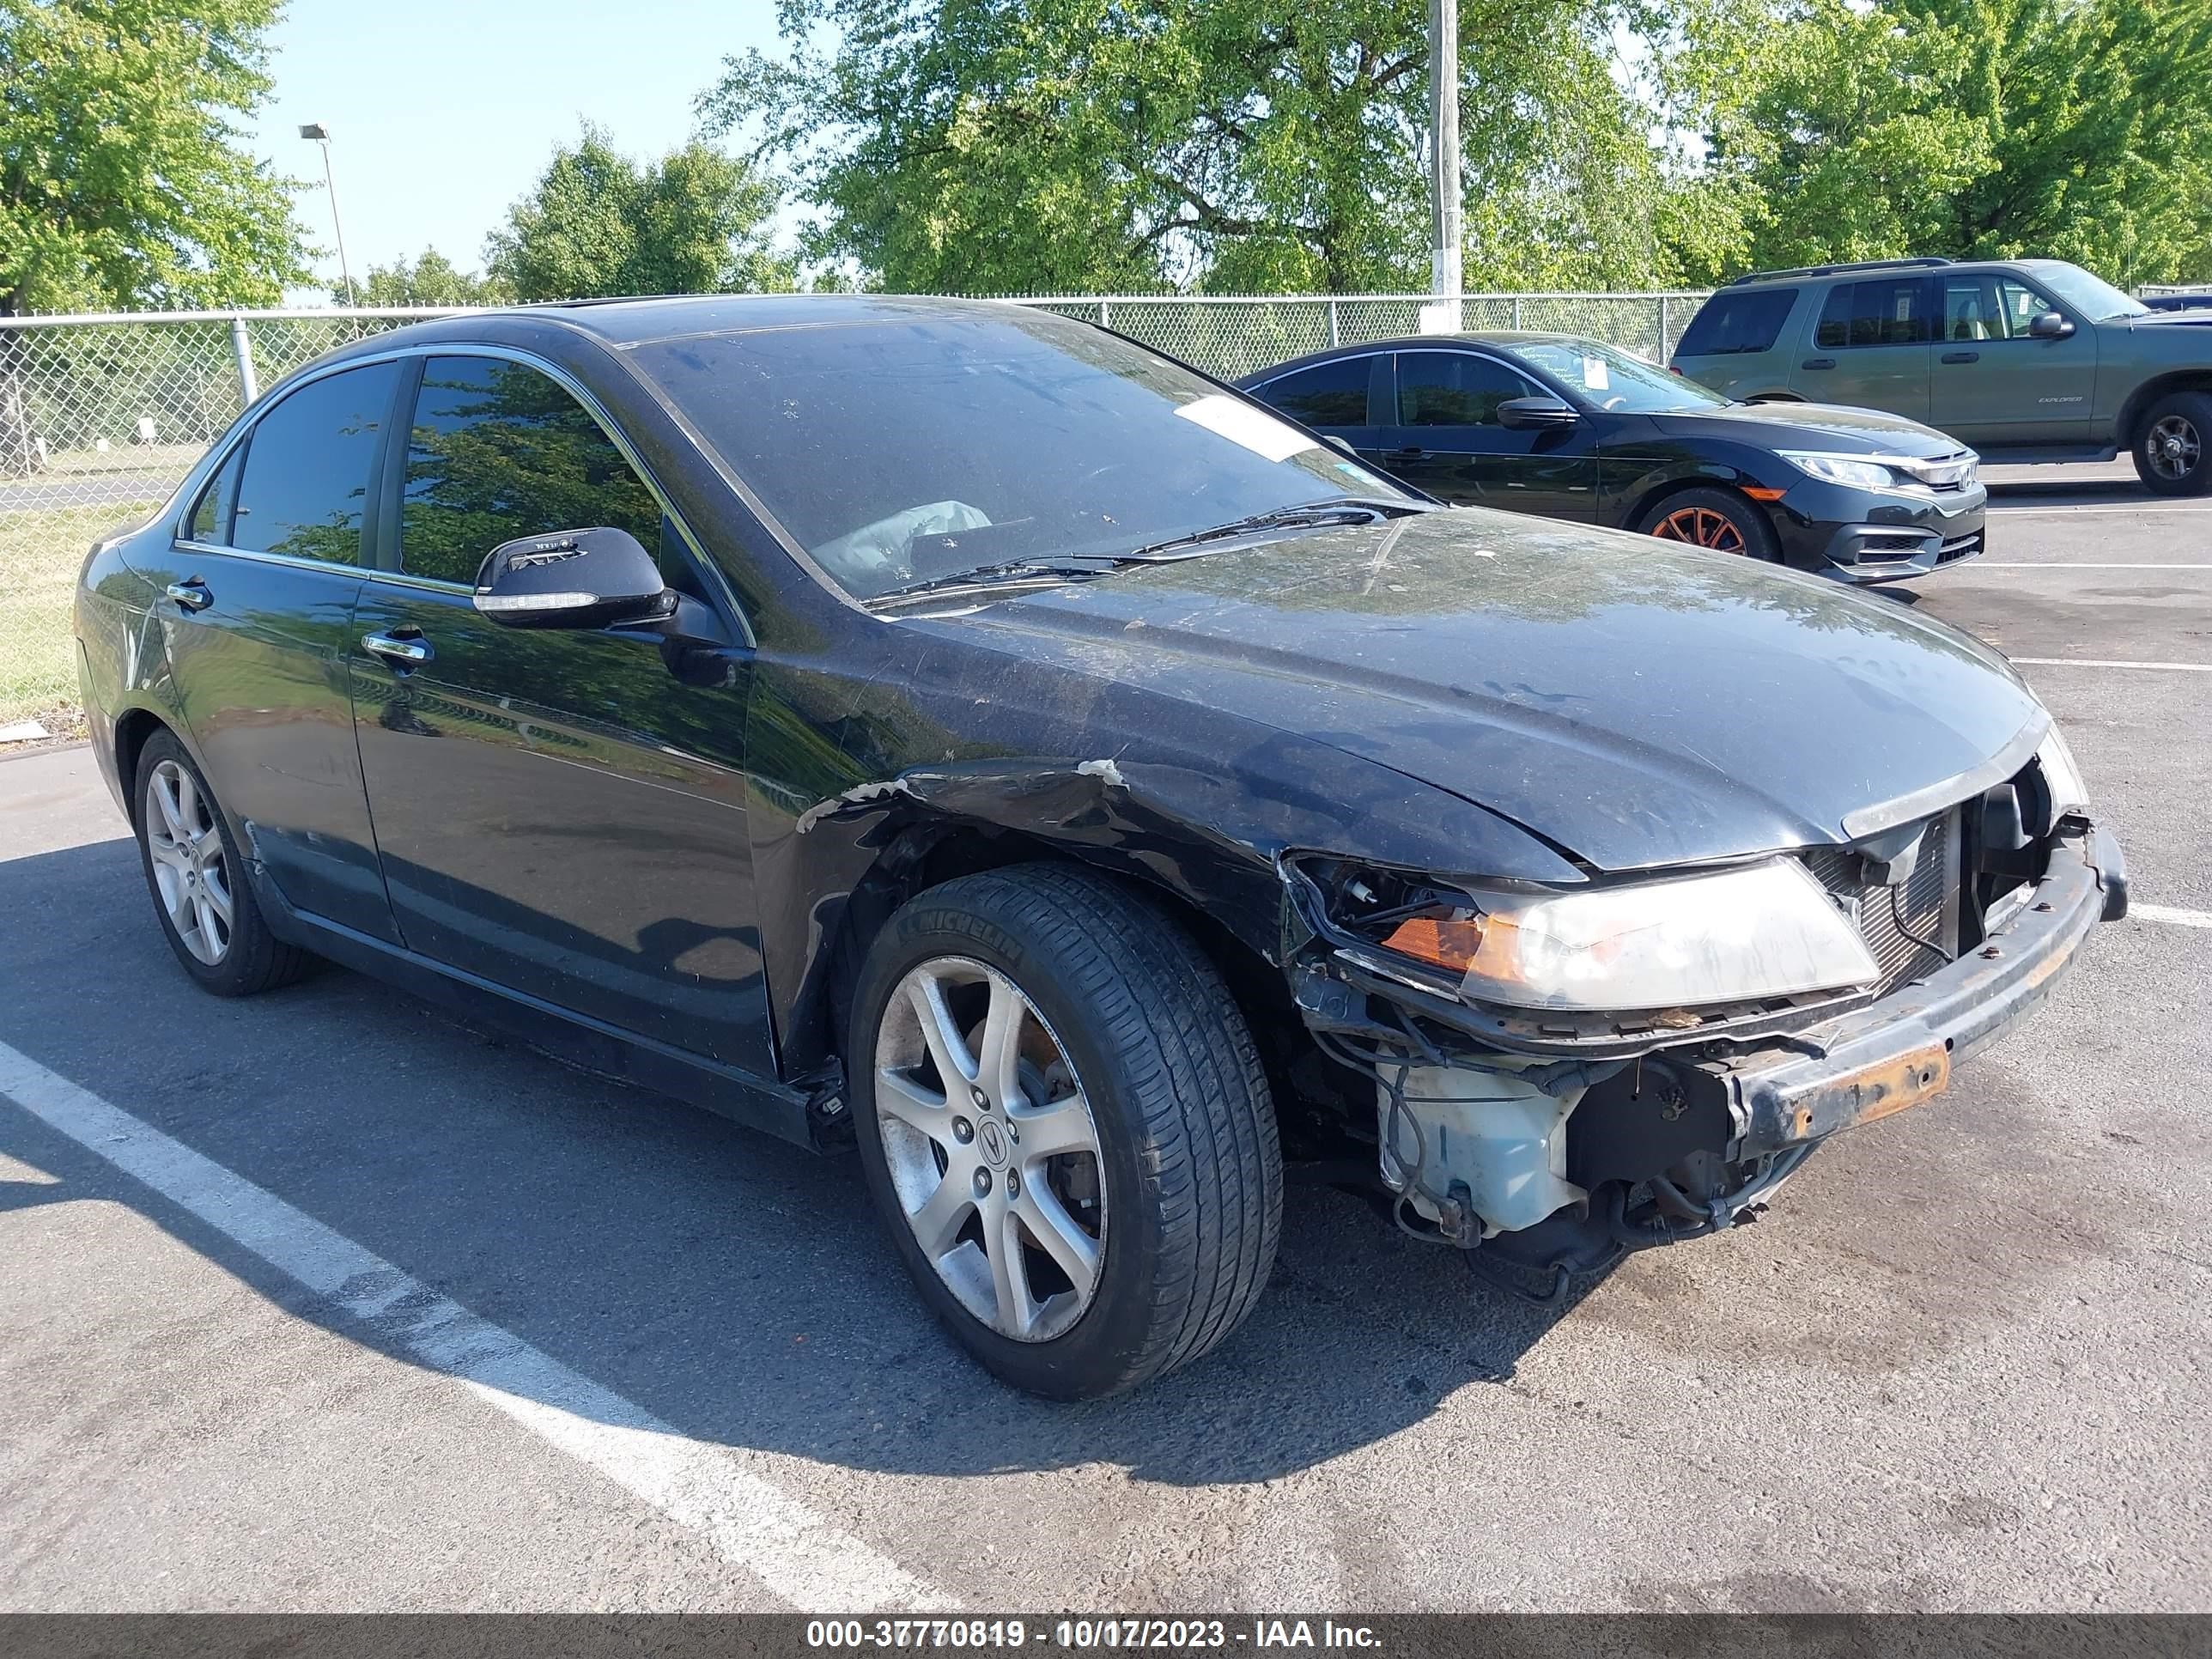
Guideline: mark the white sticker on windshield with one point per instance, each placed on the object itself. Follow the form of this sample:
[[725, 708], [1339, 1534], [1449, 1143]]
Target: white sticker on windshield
[[1240, 424], [1594, 377]]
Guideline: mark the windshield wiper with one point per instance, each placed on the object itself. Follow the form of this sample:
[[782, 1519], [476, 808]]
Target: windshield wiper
[[1013, 570], [1339, 509], [1344, 509]]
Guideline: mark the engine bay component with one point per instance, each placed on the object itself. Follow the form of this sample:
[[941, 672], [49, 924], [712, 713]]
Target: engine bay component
[[1477, 1152]]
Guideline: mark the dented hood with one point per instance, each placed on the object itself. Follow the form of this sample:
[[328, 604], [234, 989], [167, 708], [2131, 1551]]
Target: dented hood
[[1634, 703]]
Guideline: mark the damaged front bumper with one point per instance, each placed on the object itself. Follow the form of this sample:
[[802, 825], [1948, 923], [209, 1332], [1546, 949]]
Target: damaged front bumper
[[1562, 1163], [1899, 1052]]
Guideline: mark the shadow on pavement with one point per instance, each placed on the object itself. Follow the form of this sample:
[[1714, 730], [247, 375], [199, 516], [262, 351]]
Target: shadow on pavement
[[735, 1288]]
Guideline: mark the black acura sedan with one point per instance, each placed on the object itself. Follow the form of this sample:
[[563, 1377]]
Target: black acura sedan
[[1572, 428], [955, 731]]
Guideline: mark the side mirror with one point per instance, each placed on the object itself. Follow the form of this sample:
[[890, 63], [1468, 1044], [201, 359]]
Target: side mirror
[[2050, 326], [1336, 440], [572, 578], [1523, 413]]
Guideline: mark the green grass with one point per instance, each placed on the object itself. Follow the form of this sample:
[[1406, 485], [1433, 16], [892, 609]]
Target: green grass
[[40, 553]]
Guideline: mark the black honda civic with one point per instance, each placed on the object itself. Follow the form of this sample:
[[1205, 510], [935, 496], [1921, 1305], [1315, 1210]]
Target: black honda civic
[[954, 733], [1572, 428]]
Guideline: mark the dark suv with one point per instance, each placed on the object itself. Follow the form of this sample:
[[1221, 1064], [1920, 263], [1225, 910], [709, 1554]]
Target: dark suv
[[2026, 360]]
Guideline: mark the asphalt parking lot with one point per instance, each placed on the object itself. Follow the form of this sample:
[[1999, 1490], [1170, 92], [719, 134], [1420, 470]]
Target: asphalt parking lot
[[323, 1301]]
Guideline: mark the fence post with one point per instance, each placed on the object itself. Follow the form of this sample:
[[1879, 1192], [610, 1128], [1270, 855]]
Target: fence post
[[1332, 321], [1105, 313], [241, 349], [1662, 330], [1517, 311]]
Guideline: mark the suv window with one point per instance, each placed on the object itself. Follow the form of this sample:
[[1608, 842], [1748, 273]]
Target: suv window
[[306, 482], [1329, 394], [210, 520], [1732, 323], [1893, 311], [498, 450], [1454, 388], [1990, 307]]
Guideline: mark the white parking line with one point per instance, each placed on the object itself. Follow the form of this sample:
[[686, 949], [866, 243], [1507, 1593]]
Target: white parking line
[[2169, 913], [2072, 512], [2110, 662], [747, 1519]]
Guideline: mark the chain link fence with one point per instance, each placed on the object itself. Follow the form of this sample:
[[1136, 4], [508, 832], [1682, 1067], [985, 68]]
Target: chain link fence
[[101, 416]]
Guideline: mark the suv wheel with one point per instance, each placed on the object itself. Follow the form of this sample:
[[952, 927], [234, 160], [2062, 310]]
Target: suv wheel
[[1715, 518], [1065, 1127], [198, 878], [2174, 449]]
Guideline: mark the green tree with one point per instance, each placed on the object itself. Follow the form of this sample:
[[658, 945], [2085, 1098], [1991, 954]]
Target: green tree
[[2081, 129], [122, 180], [695, 222], [432, 280], [1260, 145]]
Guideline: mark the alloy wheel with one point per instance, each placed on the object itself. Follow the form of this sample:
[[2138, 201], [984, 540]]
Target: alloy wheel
[[991, 1147], [2174, 447], [1701, 527], [190, 869]]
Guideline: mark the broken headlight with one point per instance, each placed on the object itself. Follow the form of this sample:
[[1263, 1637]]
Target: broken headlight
[[1760, 931]]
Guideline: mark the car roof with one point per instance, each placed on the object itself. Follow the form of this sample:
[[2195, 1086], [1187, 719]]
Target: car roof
[[634, 321], [1491, 336], [1873, 270]]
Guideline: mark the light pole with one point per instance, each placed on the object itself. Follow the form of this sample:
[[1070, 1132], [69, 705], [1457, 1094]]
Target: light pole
[[321, 134], [1444, 148]]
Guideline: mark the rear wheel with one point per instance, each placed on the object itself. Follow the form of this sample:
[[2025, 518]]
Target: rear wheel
[[1714, 518], [2174, 449], [1065, 1127], [197, 879]]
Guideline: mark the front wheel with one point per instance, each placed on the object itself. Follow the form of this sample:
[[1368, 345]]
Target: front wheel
[[2174, 449], [1065, 1127], [1715, 518]]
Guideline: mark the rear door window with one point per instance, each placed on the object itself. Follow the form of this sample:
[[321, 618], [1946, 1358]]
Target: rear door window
[[1890, 311], [1328, 394], [498, 450], [306, 483], [1454, 388], [1734, 323]]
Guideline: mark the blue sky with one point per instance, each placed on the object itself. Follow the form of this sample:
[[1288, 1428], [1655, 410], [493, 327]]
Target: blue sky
[[442, 112]]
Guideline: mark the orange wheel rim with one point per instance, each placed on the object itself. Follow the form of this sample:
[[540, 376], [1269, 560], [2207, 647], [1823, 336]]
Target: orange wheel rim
[[1700, 527]]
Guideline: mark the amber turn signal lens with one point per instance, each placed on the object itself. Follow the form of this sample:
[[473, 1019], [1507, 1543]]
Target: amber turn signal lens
[[1448, 941]]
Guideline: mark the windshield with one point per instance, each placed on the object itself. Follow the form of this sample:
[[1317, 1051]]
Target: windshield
[[1615, 379], [2080, 295], [903, 449]]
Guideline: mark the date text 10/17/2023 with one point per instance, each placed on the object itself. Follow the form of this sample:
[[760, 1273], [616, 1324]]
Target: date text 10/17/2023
[[1082, 1634]]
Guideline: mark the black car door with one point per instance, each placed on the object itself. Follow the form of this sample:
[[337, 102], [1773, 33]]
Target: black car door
[[557, 812], [260, 585], [1448, 440]]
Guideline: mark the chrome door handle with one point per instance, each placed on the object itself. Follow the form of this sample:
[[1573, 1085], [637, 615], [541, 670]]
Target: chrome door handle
[[403, 651], [191, 593]]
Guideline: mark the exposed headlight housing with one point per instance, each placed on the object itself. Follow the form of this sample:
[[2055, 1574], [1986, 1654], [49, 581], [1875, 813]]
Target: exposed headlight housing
[[2060, 776], [1760, 931]]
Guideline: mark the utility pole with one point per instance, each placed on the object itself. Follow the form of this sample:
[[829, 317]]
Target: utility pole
[[1444, 148], [321, 134]]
